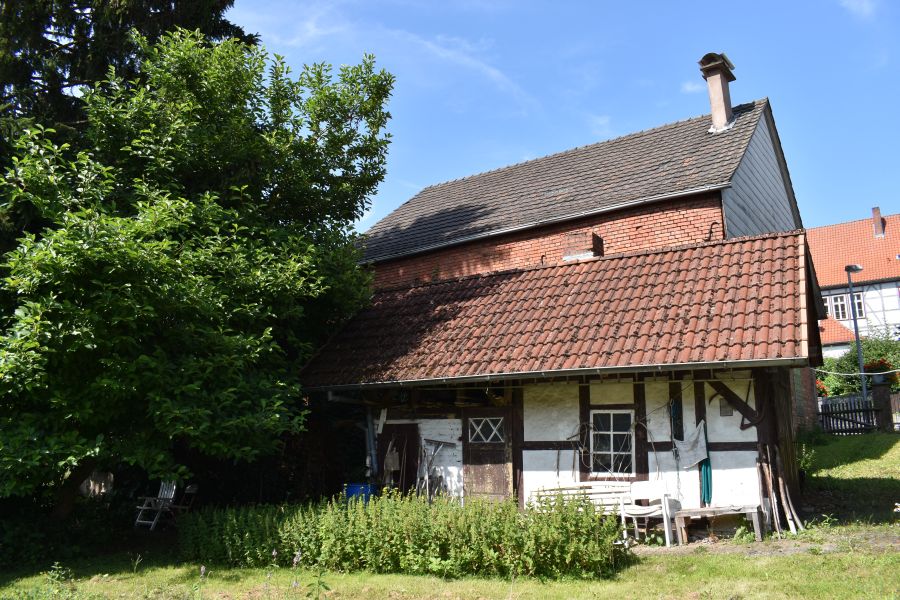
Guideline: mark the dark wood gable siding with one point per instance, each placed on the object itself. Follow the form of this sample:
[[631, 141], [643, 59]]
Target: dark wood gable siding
[[760, 200]]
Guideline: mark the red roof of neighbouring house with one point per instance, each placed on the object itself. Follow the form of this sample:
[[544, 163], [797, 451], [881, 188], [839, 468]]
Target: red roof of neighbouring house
[[835, 246], [737, 300], [833, 332]]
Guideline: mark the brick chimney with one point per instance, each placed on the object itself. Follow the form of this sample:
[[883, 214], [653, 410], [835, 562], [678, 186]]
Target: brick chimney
[[716, 69], [877, 222]]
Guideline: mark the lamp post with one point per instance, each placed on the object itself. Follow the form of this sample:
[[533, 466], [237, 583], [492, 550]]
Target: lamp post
[[850, 269]]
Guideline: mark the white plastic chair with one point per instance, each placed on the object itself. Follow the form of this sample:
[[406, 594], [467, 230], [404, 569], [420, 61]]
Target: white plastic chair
[[156, 506], [660, 506]]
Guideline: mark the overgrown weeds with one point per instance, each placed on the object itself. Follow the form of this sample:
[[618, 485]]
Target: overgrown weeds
[[405, 534]]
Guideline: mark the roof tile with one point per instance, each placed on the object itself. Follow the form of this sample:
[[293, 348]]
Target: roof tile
[[668, 160], [530, 321], [835, 246]]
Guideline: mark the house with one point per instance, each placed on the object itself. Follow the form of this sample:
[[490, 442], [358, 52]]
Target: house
[[874, 244], [574, 318]]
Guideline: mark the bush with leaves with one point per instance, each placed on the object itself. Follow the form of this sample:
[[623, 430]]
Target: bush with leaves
[[192, 259], [405, 534], [881, 352]]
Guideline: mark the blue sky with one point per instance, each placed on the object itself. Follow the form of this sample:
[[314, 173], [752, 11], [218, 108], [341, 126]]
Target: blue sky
[[485, 84]]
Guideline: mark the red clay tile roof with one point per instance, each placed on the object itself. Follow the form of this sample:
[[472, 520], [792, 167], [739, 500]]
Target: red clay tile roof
[[833, 332], [636, 168], [737, 300], [835, 246]]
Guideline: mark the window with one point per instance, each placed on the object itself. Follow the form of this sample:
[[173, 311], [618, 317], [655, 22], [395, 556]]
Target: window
[[612, 442], [488, 430], [858, 299], [839, 307]]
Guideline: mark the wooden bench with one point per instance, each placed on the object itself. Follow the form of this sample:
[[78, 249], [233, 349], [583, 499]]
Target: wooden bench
[[684, 516], [605, 494]]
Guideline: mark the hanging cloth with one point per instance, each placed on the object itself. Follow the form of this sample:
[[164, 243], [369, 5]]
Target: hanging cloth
[[693, 449], [705, 482]]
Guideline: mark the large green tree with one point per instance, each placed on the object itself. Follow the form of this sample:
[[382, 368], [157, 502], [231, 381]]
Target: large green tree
[[50, 48], [192, 258]]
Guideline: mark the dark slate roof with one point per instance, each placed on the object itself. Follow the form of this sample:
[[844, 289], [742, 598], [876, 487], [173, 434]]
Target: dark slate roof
[[710, 304], [641, 167]]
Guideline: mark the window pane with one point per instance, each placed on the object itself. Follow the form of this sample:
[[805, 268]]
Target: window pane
[[602, 442], [622, 463], [601, 421], [622, 442], [602, 463], [621, 422], [860, 310], [839, 304]]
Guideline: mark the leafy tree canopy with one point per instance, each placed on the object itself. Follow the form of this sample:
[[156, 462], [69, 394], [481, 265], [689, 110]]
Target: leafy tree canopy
[[193, 255], [50, 47], [881, 352]]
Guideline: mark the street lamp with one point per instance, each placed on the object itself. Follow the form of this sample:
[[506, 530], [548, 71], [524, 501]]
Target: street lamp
[[859, 353]]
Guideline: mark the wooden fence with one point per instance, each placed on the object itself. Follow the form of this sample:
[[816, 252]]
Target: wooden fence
[[847, 414]]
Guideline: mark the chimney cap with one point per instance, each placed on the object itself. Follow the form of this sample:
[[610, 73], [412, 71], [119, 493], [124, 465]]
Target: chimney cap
[[716, 61]]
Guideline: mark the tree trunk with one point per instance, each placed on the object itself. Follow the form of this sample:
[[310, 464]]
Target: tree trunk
[[68, 490]]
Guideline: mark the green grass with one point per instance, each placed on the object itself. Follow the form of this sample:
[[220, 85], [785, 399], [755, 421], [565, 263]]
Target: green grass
[[777, 570], [855, 476]]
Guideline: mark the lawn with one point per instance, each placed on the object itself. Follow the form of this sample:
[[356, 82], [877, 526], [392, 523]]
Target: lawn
[[854, 477], [839, 563]]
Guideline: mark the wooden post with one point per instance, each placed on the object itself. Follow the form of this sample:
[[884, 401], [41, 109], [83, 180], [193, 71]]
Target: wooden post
[[881, 399]]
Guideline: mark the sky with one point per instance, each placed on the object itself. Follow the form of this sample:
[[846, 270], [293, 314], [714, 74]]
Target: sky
[[481, 85]]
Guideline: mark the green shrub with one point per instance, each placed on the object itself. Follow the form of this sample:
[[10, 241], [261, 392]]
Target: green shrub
[[404, 534]]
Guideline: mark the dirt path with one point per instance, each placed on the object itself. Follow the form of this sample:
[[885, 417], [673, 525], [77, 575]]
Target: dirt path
[[819, 540]]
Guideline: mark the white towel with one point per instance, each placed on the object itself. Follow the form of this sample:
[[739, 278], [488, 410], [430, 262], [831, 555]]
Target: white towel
[[693, 449]]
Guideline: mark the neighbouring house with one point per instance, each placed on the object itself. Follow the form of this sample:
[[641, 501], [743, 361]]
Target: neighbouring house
[[873, 244], [574, 318]]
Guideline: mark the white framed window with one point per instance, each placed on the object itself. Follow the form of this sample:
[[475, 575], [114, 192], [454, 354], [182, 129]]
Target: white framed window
[[486, 430], [860, 309], [839, 307], [612, 442]]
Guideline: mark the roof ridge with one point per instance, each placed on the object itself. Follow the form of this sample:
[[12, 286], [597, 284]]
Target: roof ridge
[[869, 218], [745, 107], [608, 257]]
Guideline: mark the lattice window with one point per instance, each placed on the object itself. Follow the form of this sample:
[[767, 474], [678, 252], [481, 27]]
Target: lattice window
[[486, 430], [839, 307], [860, 305], [612, 442]]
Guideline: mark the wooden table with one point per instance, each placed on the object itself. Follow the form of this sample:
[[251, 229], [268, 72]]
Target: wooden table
[[684, 516]]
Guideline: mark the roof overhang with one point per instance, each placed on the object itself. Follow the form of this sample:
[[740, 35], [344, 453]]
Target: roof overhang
[[568, 373]]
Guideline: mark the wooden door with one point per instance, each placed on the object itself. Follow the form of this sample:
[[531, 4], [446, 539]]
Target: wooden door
[[404, 439], [487, 453]]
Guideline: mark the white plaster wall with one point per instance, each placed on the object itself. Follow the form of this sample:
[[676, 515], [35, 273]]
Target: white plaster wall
[[735, 480], [881, 302], [612, 393], [449, 459], [656, 395], [550, 412], [548, 469], [835, 350], [727, 429], [682, 485]]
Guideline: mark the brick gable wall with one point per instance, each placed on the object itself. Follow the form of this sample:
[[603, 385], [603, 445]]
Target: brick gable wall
[[659, 225]]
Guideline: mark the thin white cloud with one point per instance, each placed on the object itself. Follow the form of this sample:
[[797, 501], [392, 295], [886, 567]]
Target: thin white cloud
[[465, 53], [863, 9], [600, 125], [692, 87]]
